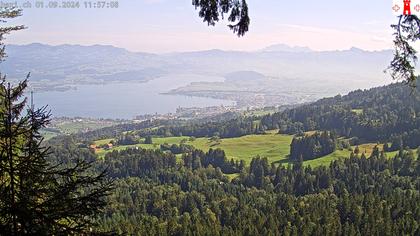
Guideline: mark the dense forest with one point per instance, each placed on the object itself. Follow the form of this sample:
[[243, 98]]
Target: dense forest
[[156, 195], [65, 187], [386, 114], [179, 190], [313, 146], [226, 129], [196, 127], [379, 114]]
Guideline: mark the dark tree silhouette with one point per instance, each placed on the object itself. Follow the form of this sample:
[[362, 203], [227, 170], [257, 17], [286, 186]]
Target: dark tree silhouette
[[407, 32], [213, 10], [38, 197], [4, 15]]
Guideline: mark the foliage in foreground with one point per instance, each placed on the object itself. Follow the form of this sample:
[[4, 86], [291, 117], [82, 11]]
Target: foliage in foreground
[[36, 196]]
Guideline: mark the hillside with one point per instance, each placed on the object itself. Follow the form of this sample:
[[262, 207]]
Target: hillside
[[233, 177], [361, 120], [379, 114], [253, 118]]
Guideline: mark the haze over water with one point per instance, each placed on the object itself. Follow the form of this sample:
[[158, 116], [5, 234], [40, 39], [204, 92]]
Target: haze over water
[[125, 100]]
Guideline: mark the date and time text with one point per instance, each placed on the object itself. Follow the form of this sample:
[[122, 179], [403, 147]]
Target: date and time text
[[60, 4]]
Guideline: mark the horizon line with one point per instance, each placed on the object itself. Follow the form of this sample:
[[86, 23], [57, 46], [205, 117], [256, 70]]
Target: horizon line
[[203, 50]]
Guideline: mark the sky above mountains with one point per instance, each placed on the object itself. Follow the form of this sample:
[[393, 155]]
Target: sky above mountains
[[173, 25]]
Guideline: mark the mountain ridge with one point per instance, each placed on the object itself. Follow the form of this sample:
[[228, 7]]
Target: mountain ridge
[[60, 66], [270, 48]]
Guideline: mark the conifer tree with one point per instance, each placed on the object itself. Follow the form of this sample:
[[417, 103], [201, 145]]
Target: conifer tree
[[38, 197], [407, 33]]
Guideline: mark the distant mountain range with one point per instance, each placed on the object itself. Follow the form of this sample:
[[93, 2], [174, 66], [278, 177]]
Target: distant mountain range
[[55, 66], [285, 48]]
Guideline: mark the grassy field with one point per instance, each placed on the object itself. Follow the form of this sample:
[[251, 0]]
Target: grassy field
[[75, 127], [366, 148], [72, 126], [156, 144], [275, 147], [358, 111], [259, 112], [326, 160]]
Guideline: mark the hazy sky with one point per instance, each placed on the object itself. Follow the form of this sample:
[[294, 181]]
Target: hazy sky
[[174, 25]]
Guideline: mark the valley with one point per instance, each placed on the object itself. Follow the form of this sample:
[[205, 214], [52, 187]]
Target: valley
[[291, 118], [360, 149], [255, 133]]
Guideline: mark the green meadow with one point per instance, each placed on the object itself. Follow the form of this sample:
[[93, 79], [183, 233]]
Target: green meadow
[[156, 144], [272, 145], [275, 147]]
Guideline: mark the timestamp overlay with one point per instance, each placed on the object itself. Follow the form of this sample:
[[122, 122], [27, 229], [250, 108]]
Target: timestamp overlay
[[60, 4]]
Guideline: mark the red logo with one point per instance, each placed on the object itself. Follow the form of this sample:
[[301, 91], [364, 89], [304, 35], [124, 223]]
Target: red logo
[[407, 7]]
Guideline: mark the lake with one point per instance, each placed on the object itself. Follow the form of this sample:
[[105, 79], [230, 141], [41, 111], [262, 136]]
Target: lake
[[125, 100]]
